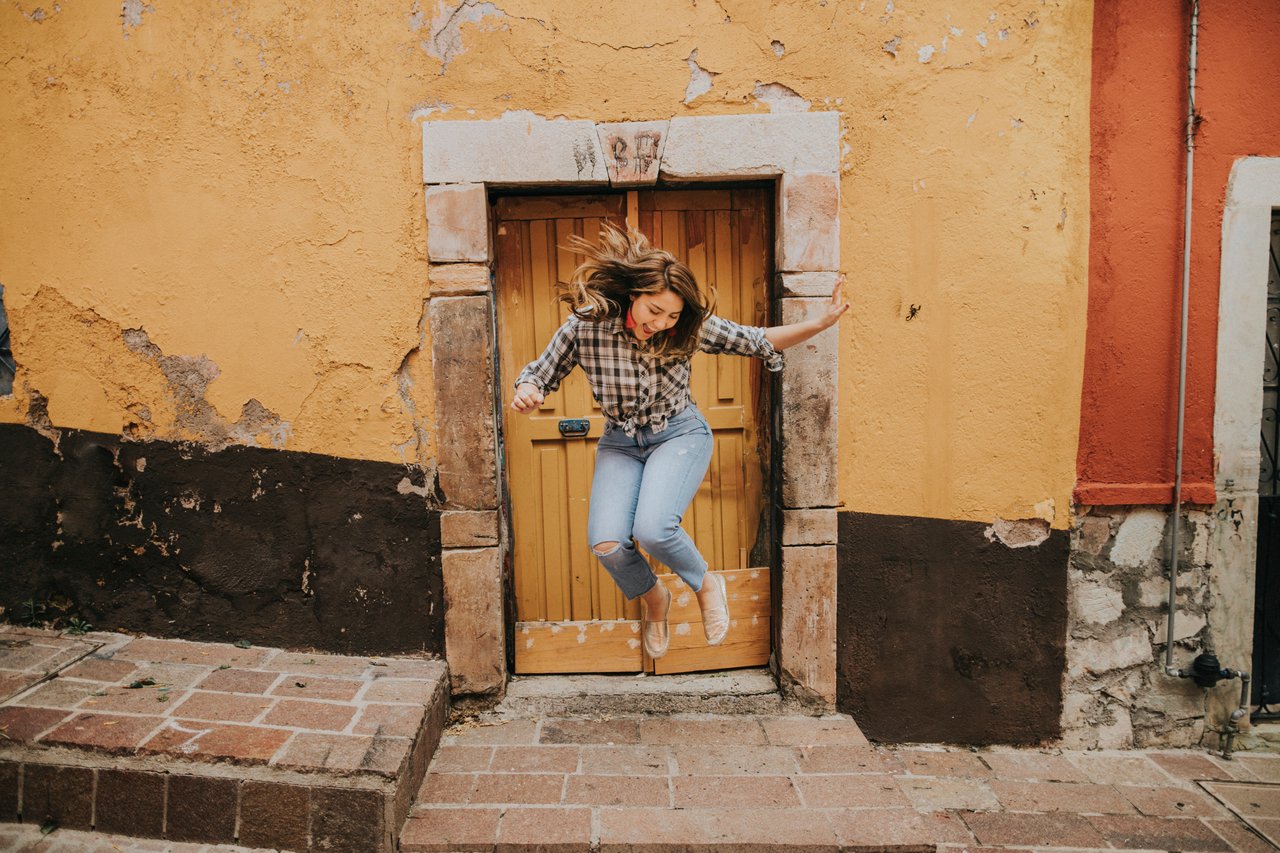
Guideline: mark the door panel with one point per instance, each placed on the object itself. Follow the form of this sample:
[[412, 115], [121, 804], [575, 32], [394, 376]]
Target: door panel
[[570, 616]]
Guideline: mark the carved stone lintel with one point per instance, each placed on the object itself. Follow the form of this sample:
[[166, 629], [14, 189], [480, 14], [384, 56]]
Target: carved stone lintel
[[633, 151]]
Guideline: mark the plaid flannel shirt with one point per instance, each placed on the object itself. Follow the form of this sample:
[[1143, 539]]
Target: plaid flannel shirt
[[636, 388]]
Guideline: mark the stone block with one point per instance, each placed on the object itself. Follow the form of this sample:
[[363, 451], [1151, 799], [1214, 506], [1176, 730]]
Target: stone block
[[274, 816], [1099, 656], [809, 527], [474, 635], [61, 794], [809, 222], [633, 151], [1094, 603], [459, 279], [462, 359], [457, 223], [468, 529], [201, 808], [130, 803], [1095, 532], [1139, 538], [752, 145], [349, 819], [807, 634], [1185, 626], [520, 149], [817, 284], [809, 413], [9, 791]]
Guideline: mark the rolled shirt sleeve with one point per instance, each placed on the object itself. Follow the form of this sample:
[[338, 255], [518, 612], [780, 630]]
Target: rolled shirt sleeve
[[560, 356], [720, 335]]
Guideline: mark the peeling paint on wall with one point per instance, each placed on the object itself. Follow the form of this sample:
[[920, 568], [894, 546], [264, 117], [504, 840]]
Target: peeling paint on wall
[[699, 78], [445, 41], [780, 98], [131, 12]]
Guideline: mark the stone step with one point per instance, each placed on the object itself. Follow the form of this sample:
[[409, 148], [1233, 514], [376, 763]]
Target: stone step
[[743, 691], [212, 742]]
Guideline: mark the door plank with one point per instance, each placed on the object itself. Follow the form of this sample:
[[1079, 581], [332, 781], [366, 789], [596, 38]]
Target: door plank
[[748, 637], [579, 646]]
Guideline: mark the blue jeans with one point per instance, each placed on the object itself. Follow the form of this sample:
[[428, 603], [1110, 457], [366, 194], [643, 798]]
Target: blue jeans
[[641, 489]]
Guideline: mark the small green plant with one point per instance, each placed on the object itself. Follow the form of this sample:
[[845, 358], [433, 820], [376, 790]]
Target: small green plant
[[78, 627], [34, 611]]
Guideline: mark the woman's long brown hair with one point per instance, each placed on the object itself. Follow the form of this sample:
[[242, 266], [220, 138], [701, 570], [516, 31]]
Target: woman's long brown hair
[[624, 264]]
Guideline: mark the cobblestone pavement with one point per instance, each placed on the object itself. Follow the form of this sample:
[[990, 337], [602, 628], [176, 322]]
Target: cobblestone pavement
[[690, 782]]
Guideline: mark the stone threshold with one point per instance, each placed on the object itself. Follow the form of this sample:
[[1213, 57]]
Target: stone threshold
[[740, 691], [213, 742]]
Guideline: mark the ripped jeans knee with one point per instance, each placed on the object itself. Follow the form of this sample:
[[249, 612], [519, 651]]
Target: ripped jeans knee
[[604, 549], [623, 562]]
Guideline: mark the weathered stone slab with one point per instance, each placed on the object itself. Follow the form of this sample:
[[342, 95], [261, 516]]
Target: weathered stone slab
[[457, 223], [459, 279], [807, 638], [518, 149], [475, 647], [462, 356], [633, 151], [469, 529], [809, 413], [806, 283], [809, 527], [809, 222], [762, 144]]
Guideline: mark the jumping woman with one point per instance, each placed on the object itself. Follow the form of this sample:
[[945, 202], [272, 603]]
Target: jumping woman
[[637, 316]]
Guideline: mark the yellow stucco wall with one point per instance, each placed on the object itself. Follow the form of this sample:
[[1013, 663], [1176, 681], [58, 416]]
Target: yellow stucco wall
[[242, 182]]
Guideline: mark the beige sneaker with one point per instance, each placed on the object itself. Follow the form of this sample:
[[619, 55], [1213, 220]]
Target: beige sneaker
[[657, 634], [715, 617]]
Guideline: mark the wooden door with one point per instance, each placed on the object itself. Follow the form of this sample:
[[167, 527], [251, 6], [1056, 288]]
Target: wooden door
[[570, 616]]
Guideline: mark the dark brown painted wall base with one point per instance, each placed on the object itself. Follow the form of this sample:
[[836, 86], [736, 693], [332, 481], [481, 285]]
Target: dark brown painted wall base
[[944, 636], [279, 548]]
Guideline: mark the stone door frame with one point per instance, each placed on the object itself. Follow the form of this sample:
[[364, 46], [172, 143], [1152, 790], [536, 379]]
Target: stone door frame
[[462, 161], [1253, 189]]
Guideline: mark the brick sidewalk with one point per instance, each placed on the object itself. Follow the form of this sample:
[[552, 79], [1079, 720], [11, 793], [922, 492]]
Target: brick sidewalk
[[213, 742], [268, 748], [688, 783]]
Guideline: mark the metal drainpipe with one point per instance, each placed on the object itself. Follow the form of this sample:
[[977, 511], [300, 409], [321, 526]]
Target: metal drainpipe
[[1169, 668]]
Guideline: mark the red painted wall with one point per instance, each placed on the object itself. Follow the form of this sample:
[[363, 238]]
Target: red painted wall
[[1128, 411]]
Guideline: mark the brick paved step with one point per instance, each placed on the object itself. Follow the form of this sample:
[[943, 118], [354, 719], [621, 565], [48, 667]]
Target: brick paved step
[[704, 782], [214, 743]]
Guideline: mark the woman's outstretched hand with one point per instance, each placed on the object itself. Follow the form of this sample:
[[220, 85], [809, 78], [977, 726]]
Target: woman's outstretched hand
[[527, 398], [793, 333], [837, 307]]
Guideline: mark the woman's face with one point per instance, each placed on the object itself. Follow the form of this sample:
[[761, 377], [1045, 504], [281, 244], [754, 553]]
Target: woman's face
[[655, 312]]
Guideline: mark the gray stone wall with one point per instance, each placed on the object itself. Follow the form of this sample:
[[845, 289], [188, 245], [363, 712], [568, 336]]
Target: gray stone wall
[[1115, 692]]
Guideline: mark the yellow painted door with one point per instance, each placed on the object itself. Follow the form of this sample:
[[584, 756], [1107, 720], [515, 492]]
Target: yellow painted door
[[570, 616]]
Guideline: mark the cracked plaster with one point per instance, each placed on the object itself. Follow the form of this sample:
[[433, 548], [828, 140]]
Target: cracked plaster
[[243, 213]]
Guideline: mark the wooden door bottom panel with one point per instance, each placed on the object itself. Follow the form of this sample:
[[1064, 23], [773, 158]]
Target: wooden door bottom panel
[[748, 641], [609, 645], [615, 645]]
